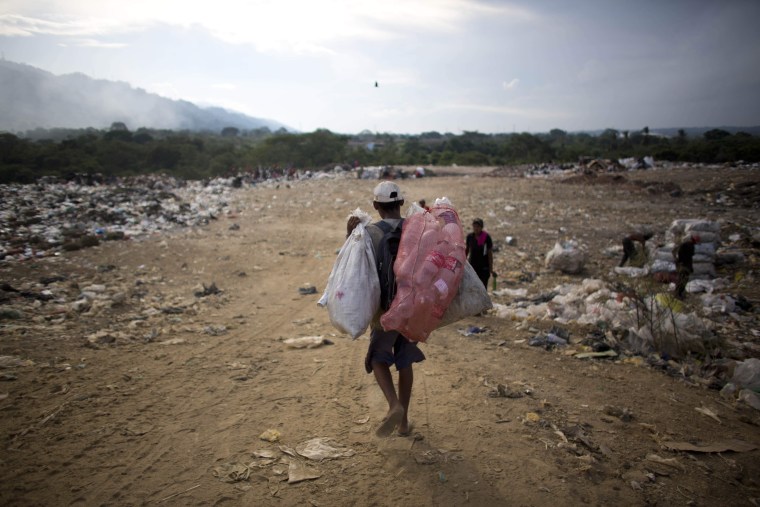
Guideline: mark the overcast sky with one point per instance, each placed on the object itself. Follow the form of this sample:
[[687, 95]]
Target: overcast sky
[[442, 65]]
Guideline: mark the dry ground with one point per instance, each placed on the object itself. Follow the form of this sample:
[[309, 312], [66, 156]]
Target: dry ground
[[187, 384]]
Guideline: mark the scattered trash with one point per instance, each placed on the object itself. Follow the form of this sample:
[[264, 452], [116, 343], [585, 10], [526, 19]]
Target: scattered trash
[[307, 342], [515, 293], [548, 341], [298, 472], [306, 290], [624, 414], [14, 361], [207, 291], [708, 413], [472, 330], [503, 391], [270, 435], [720, 446], [671, 462], [173, 341], [215, 330], [232, 472], [322, 448], [595, 355]]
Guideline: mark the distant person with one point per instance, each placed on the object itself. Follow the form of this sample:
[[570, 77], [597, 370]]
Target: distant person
[[423, 205], [684, 257], [479, 251], [387, 348], [636, 256]]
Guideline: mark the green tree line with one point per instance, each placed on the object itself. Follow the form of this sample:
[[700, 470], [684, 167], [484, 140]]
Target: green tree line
[[189, 155]]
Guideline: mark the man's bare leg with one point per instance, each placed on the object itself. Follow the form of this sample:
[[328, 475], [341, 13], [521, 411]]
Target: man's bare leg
[[405, 383], [396, 410]]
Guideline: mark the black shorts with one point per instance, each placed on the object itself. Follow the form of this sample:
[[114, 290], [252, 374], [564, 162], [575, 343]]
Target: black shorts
[[390, 347]]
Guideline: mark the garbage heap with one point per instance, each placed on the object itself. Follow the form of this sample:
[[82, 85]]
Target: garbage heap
[[41, 219], [708, 233]]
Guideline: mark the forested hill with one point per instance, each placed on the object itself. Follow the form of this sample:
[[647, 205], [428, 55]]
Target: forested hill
[[32, 98]]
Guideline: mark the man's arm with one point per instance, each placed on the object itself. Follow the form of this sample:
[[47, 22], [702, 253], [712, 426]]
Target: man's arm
[[351, 225]]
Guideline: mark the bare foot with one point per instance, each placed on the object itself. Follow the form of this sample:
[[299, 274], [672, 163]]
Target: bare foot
[[391, 420], [404, 429]]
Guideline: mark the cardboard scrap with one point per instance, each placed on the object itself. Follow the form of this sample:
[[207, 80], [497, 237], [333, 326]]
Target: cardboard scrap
[[298, 472], [708, 413], [720, 446]]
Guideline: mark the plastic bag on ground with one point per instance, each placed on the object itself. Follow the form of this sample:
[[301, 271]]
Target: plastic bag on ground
[[429, 268], [352, 293], [747, 374], [566, 257], [632, 272]]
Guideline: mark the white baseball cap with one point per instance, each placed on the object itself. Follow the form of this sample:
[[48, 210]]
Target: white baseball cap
[[387, 191]]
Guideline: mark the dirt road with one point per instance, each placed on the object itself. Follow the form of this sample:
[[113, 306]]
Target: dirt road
[[156, 396]]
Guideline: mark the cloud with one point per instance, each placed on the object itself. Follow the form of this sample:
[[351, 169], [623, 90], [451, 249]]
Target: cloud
[[300, 26], [93, 43], [12, 25], [511, 85]]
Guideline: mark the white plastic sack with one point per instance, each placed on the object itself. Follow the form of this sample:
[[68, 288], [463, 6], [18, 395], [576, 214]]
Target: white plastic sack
[[684, 226], [566, 257], [664, 254], [660, 266], [471, 298], [632, 272], [352, 293], [707, 249], [747, 374], [704, 268]]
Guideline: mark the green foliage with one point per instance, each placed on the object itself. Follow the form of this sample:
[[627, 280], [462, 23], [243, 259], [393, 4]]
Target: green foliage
[[117, 151]]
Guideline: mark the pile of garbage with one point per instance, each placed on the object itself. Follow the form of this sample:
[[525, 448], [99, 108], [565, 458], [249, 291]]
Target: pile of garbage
[[708, 234], [709, 251], [698, 343], [40, 219], [647, 323]]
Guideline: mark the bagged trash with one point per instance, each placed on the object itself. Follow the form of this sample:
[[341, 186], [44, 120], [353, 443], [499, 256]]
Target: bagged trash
[[429, 268], [352, 293], [747, 374], [664, 254], [631, 271], [471, 298], [704, 269], [566, 257], [659, 266], [707, 228]]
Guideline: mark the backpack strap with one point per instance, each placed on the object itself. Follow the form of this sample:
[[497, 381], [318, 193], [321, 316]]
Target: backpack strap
[[386, 227]]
